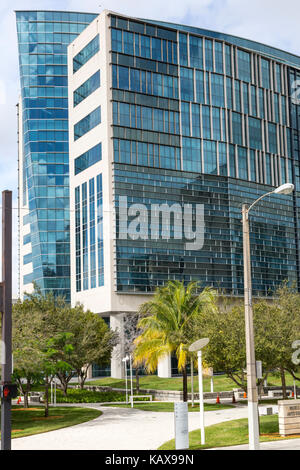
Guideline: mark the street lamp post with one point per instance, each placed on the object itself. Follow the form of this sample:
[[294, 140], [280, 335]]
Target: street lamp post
[[125, 359], [253, 423], [131, 381], [197, 346]]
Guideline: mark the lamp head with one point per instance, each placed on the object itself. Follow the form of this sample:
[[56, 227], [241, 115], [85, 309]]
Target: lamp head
[[286, 188]]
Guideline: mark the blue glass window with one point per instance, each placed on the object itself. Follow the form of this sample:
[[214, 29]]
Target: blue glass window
[[92, 234], [156, 49], [209, 63], [228, 60], [246, 98], [77, 239], [217, 90], [243, 163], [185, 119], [253, 165], [219, 57], [87, 123], [268, 169], [272, 132], [261, 103], [223, 159], [85, 237], [116, 40], [87, 88], [237, 87], [183, 52], [210, 157], [265, 73], [128, 39], [253, 101], [206, 123], [229, 93], [86, 53], [100, 231], [191, 154], [196, 120], [200, 98], [216, 123], [255, 133], [237, 135], [244, 65], [88, 159], [232, 163], [196, 52], [145, 47], [187, 84], [26, 239], [278, 78]]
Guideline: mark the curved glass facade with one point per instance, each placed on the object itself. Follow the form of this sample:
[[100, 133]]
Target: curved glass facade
[[43, 37], [203, 116]]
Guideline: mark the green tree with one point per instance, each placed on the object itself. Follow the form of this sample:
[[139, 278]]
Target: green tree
[[92, 342], [165, 323], [276, 326], [27, 344]]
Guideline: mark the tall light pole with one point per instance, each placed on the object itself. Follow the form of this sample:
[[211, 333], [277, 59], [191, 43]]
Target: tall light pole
[[197, 346], [125, 359], [6, 318], [253, 423]]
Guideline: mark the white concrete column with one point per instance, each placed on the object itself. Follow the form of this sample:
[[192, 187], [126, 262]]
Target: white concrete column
[[90, 372], [164, 367], [117, 368]]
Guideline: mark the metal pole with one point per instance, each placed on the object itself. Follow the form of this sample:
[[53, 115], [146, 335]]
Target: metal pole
[[212, 384], [295, 390], [131, 382], [6, 316], [253, 424], [201, 404], [192, 381], [126, 385]]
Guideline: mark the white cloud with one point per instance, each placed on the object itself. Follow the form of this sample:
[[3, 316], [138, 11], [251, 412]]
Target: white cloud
[[269, 21]]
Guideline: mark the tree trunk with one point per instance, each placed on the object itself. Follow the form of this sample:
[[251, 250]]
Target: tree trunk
[[184, 383], [82, 376], [137, 380], [283, 382], [46, 396]]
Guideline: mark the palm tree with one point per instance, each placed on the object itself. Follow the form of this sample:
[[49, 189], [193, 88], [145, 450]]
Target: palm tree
[[167, 321]]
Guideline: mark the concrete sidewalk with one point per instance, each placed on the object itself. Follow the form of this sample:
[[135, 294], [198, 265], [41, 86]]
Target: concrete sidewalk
[[121, 429], [289, 444]]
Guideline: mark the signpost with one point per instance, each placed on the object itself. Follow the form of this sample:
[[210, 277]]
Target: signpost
[[6, 311], [197, 346], [181, 425]]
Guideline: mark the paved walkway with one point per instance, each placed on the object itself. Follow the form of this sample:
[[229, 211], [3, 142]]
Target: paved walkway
[[121, 429], [290, 444]]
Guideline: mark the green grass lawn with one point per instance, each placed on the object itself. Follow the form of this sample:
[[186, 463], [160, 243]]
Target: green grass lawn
[[231, 433], [221, 382], [26, 422], [168, 406]]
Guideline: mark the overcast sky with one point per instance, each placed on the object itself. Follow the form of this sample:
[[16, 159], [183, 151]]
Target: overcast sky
[[272, 22]]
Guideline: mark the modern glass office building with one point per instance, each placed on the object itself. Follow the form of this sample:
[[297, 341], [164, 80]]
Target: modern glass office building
[[43, 37], [172, 114], [155, 114]]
